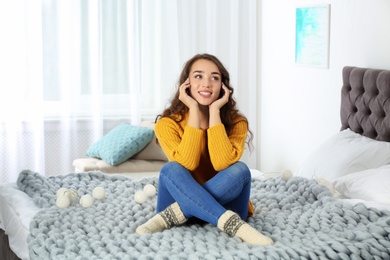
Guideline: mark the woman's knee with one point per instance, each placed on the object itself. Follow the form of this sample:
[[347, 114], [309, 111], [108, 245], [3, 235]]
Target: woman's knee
[[170, 168], [241, 168]]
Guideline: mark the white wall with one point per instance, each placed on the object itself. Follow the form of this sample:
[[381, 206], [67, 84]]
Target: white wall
[[299, 106]]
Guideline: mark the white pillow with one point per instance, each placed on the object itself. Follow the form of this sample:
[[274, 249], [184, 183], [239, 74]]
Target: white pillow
[[256, 174], [372, 185], [345, 152]]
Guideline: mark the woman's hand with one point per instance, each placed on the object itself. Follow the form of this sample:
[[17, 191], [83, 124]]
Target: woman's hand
[[217, 104], [184, 95]]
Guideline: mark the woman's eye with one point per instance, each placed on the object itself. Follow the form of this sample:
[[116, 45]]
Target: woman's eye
[[198, 76], [215, 78]]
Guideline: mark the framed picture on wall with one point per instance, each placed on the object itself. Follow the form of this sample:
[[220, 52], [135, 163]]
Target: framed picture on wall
[[312, 35]]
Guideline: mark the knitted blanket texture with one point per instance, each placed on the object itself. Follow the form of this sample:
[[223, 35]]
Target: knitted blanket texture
[[299, 215]]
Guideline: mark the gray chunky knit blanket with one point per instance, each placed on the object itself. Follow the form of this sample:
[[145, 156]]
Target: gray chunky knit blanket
[[301, 217]]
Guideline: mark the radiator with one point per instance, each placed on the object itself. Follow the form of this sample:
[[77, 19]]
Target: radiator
[[50, 149]]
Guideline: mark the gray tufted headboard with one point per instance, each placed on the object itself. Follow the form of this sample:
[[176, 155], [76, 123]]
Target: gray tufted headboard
[[365, 102]]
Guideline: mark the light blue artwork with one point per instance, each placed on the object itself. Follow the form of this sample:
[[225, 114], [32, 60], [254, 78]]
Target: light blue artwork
[[312, 36]]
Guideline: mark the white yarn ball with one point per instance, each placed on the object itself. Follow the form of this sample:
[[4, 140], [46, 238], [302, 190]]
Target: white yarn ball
[[86, 201], [286, 175], [62, 201], [150, 190], [99, 193], [61, 191], [71, 194], [140, 197]]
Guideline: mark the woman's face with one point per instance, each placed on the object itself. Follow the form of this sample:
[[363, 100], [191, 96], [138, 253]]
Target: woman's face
[[206, 82]]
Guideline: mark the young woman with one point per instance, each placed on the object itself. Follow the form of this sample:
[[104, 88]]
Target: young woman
[[203, 135]]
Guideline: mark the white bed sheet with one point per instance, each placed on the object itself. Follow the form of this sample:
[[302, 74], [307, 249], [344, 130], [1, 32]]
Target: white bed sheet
[[16, 212]]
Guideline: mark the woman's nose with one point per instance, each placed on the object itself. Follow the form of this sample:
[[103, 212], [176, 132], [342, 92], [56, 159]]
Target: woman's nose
[[206, 82]]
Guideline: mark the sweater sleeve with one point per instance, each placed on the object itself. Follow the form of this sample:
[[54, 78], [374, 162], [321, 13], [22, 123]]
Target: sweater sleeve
[[225, 150], [182, 145]]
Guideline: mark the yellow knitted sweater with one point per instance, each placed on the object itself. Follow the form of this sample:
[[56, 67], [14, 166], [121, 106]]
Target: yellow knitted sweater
[[202, 152]]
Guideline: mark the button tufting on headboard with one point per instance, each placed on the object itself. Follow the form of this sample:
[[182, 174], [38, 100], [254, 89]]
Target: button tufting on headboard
[[365, 102]]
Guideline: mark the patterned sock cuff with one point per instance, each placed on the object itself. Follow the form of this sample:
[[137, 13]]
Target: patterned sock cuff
[[173, 216], [230, 222]]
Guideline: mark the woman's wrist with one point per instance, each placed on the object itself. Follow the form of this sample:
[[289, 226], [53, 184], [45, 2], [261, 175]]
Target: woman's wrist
[[193, 117], [214, 117]]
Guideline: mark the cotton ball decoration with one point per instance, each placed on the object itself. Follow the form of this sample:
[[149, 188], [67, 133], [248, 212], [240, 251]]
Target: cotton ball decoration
[[99, 193], [61, 191], [62, 201], [71, 194], [86, 201], [286, 175], [150, 190], [140, 197]]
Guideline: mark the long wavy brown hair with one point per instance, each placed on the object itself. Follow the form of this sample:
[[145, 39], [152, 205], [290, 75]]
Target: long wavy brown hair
[[177, 110]]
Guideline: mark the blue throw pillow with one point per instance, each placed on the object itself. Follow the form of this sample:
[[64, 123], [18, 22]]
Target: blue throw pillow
[[121, 143]]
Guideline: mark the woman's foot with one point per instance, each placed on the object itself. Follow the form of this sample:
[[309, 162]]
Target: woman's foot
[[231, 223], [171, 216]]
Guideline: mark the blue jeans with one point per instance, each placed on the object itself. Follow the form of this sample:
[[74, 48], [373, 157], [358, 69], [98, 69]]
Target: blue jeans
[[228, 189]]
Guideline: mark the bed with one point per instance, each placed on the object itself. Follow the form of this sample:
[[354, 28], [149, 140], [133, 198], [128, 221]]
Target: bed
[[324, 211]]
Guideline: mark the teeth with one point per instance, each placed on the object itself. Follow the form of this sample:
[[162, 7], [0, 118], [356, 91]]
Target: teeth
[[205, 93]]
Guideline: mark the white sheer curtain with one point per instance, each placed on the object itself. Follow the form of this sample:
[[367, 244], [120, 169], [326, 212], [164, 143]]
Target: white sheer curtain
[[71, 70]]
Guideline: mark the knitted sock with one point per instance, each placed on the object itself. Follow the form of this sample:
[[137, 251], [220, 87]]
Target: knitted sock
[[231, 223], [171, 216]]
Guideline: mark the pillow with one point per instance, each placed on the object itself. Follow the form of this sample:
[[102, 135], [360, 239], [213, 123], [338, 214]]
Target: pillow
[[153, 150], [345, 152], [257, 174], [372, 185], [121, 143]]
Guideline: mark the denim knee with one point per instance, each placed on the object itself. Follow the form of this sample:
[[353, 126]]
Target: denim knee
[[170, 167], [241, 168]]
